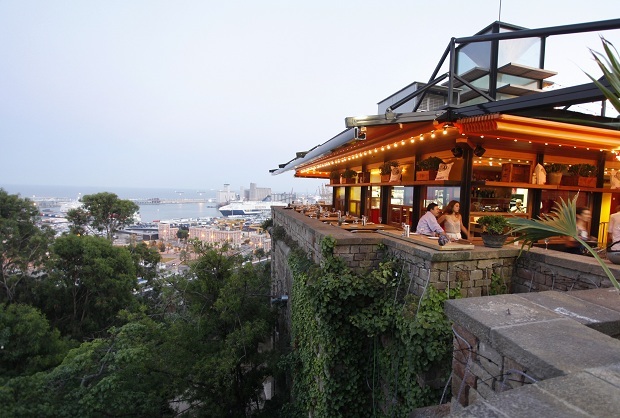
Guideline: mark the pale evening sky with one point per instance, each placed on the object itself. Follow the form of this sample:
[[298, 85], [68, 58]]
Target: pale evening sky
[[200, 93]]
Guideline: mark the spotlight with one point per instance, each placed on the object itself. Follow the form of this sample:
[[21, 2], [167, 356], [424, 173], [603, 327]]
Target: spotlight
[[479, 151], [457, 152]]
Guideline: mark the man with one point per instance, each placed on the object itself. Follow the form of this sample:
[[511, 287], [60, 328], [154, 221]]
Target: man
[[428, 225], [518, 207], [614, 229]]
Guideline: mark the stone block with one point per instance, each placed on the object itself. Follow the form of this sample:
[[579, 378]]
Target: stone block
[[552, 348], [600, 399], [480, 315], [594, 315], [476, 275], [472, 292], [512, 375]]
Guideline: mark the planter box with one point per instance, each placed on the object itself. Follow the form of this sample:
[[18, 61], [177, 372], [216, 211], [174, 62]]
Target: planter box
[[579, 181], [586, 181], [347, 181], [515, 173], [385, 178], [425, 175]]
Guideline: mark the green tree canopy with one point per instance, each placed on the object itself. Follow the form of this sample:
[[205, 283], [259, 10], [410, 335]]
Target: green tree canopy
[[23, 245], [89, 282], [27, 343], [103, 212]]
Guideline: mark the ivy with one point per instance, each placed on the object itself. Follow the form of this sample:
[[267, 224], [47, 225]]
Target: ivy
[[498, 285], [361, 343]]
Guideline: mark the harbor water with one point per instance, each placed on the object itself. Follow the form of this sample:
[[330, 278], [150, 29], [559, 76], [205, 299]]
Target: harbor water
[[148, 212]]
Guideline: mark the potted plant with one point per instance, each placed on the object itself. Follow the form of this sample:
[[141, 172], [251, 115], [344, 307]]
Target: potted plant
[[494, 233], [554, 172], [334, 177], [427, 168], [386, 170], [583, 175], [348, 176]]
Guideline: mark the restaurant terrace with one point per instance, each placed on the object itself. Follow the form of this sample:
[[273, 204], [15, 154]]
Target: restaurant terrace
[[495, 134], [492, 118]]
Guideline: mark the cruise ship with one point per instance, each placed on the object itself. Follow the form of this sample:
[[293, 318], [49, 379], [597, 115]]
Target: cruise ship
[[249, 208]]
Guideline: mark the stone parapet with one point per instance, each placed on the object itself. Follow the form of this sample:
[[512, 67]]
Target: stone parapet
[[518, 341]]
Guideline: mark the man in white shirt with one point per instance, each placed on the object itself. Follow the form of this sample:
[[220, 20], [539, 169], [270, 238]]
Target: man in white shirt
[[428, 225], [613, 229]]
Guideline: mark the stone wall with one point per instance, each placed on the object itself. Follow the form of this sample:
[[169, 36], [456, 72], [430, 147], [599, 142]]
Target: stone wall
[[501, 342], [540, 269], [520, 341], [471, 269]]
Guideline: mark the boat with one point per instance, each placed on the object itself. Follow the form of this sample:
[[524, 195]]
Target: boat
[[249, 208]]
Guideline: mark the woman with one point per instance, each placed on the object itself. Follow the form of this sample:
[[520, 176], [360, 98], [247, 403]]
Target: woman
[[583, 217], [452, 220]]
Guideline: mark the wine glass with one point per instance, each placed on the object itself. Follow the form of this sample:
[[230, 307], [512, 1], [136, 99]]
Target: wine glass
[[546, 243]]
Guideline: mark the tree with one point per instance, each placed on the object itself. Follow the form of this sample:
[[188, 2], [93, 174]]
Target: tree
[[89, 282], [103, 212], [203, 353], [182, 233], [23, 245], [145, 260], [27, 343]]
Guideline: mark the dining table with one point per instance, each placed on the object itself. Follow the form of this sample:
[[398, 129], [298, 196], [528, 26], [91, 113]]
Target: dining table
[[369, 227]]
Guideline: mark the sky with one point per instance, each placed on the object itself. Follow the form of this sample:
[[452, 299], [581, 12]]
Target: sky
[[195, 94]]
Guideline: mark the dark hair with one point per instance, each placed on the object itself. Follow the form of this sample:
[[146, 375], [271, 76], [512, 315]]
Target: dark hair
[[449, 209], [580, 210], [431, 206]]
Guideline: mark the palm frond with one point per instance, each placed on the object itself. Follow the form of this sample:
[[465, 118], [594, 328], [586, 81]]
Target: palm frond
[[610, 66], [561, 222]]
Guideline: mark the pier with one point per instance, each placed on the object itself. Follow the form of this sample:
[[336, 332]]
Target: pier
[[50, 202], [158, 201]]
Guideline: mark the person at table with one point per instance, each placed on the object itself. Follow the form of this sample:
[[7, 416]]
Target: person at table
[[428, 225], [583, 216], [453, 221], [614, 229]]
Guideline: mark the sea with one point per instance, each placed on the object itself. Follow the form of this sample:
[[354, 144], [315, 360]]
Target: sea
[[148, 213]]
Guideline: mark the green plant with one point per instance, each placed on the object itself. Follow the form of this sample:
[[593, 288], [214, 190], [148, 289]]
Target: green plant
[[561, 222], [555, 167], [428, 164], [494, 224], [334, 174], [360, 342], [498, 285], [386, 167], [583, 170], [612, 74], [349, 174]]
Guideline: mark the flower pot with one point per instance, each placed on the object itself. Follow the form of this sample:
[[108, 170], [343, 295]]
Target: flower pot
[[554, 178], [385, 178], [493, 241], [347, 180], [425, 175]]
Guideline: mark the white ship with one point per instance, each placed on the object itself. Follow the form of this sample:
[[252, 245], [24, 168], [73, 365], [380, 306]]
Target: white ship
[[249, 208]]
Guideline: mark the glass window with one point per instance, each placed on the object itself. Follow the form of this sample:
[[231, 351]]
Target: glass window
[[524, 51]]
